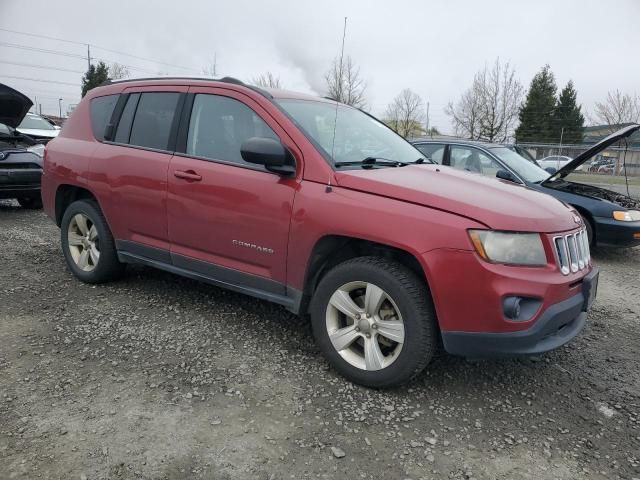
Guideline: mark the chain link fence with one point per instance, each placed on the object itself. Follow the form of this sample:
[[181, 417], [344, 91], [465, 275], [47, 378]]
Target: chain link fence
[[609, 162]]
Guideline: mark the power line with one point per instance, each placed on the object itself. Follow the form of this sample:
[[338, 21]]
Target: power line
[[41, 66], [71, 55], [39, 80], [145, 59], [41, 36], [99, 47], [42, 50]]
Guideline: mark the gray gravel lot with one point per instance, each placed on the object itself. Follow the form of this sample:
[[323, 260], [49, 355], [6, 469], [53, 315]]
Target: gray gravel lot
[[164, 378]]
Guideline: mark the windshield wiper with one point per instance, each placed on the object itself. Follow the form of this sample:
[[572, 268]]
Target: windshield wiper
[[370, 161]]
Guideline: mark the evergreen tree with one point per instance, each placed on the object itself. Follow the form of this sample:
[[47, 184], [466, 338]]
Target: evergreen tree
[[537, 113], [569, 116], [95, 76]]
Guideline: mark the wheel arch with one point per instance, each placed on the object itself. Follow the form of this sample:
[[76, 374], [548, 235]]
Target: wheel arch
[[331, 250], [66, 194]]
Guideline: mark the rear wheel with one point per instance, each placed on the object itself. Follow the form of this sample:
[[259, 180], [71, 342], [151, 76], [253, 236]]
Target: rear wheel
[[373, 319], [30, 203], [88, 245]]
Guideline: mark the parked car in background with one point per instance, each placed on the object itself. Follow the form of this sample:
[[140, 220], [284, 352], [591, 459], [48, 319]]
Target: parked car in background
[[611, 218], [38, 127], [553, 163], [20, 155], [602, 163], [319, 207]]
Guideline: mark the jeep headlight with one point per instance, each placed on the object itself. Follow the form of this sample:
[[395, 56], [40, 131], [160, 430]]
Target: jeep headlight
[[509, 247], [627, 216], [38, 149]]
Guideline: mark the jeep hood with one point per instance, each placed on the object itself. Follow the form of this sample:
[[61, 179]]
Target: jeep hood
[[500, 205], [593, 151], [13, 106]]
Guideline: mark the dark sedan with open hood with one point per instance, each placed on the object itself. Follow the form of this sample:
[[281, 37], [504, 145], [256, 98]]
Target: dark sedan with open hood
[[20, 155], [610, 218]]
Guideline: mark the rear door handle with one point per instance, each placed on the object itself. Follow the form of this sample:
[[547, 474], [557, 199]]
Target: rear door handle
[[189, 175]]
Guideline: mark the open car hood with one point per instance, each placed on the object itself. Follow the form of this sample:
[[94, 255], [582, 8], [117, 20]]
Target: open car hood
[[13, 106], [589, 153]]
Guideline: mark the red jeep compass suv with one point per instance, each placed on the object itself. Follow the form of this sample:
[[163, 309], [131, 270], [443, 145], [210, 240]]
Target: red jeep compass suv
[[321, 208]]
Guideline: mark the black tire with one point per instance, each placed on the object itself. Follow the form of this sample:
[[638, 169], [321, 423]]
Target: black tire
[[30, 203], [413, 300], [589, 227], [108, 267]]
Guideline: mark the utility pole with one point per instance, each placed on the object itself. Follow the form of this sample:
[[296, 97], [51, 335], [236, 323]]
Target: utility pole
[[561, 136], [88, 57], [427, 118], [60, 107], [40, 108]]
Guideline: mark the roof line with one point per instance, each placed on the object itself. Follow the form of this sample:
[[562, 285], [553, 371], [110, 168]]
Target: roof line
[[230, 80]]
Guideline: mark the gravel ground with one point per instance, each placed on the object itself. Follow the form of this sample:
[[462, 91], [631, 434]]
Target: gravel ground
[[161, 377]]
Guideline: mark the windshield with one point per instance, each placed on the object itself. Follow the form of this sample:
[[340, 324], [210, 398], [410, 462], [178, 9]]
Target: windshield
[[524, 168], [35, 122], [357, 135]]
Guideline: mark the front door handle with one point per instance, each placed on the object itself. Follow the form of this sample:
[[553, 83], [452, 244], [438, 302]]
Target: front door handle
[[189, 175]]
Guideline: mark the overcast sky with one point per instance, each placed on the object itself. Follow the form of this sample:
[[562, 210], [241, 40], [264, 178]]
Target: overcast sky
[[432, 47]]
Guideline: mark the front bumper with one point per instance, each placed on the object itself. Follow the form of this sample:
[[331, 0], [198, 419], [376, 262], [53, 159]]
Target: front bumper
[[17, 182], [556, 326], [611, 232], [20, 174]]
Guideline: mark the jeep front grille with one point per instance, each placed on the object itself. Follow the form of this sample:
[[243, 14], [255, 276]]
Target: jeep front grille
[[572, 252]]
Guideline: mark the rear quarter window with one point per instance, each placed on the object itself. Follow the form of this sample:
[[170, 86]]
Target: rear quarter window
[[101, 111]]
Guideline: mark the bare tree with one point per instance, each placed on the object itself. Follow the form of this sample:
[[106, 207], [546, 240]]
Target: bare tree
[[268, 80], [345, 84], [211, 69], [406, 113], [118, 71], [618, 108], [489, 109], [465, 115]]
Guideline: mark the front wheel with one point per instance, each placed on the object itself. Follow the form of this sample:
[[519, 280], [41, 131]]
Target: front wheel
[[373, 319], [589, 228]]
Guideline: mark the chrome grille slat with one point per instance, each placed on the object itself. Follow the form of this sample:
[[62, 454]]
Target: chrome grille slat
[[579, 247], [572, 252]]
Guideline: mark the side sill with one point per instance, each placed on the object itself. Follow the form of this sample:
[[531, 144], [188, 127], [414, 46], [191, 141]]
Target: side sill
[[291, 302]]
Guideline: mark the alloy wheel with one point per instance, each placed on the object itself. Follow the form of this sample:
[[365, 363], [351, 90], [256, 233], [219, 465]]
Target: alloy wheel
[[365, 326], [83, 242]]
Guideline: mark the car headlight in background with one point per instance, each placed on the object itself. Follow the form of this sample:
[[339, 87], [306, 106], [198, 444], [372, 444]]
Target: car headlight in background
[[37, 149], [627, 216], [509, 247]]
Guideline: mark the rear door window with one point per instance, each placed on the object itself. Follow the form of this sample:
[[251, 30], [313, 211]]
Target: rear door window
[[433, 151], [153, 120], [101, 111]]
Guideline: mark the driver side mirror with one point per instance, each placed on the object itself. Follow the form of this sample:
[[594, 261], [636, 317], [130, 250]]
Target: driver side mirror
[[270, 153], [551, 170], [504, 175]]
